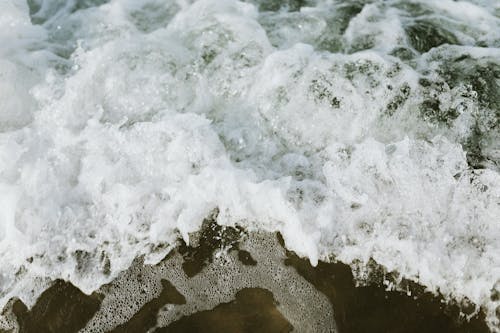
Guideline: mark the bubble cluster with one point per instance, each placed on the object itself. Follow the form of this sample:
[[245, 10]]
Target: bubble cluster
[[301, 304]]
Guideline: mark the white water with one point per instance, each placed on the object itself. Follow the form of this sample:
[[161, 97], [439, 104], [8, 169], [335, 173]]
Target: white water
[[124, 123]]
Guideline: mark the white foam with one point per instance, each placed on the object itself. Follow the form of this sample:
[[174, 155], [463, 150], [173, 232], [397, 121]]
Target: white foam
[[117, 137]]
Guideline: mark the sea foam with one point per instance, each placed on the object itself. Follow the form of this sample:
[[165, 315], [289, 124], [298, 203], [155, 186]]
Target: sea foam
[[356, 130]]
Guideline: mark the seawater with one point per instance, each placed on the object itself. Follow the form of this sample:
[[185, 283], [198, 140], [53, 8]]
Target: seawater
[[357, 129]]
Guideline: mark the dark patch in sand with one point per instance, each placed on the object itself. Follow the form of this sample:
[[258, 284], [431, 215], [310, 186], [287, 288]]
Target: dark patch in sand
[[146, 317], [246, 258], [61, 308], [253, 310]]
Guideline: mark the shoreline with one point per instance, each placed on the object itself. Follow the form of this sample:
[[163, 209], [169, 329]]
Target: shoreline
[[255, 295]]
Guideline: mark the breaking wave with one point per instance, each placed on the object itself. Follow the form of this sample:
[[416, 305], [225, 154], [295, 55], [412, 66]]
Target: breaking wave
[[357, 129]]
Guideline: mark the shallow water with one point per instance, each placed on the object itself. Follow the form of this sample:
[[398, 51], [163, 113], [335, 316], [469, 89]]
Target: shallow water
[[172, 299], [360, 130]]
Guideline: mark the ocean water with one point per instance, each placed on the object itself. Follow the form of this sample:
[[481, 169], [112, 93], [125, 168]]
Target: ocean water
[[357, 129]]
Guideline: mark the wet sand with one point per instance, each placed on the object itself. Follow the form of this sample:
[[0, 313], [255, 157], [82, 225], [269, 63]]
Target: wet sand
[[371, 308]]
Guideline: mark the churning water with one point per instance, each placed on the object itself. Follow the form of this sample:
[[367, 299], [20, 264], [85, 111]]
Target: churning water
[[357, 129]]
